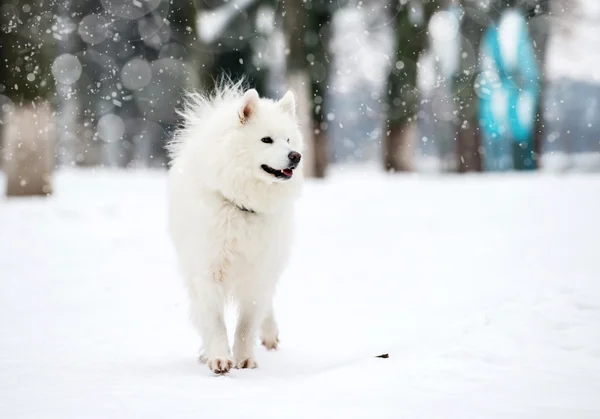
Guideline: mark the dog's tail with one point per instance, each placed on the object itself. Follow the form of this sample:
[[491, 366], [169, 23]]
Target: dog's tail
[[198, 106]]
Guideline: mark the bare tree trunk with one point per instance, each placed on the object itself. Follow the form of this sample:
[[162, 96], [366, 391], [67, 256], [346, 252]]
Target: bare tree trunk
[[396, 154], [321, 153], [468, 141], [29, 150]]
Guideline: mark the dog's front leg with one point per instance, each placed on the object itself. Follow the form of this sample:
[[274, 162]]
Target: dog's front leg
[[208, 306], [249, 316]]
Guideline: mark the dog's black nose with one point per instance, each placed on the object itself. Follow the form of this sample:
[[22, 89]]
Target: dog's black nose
[[294, 157]]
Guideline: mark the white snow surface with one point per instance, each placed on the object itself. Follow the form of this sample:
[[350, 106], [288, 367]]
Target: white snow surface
[[484, 290]]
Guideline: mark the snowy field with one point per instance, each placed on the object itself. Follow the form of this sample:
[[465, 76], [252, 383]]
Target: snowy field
[[484, 290]]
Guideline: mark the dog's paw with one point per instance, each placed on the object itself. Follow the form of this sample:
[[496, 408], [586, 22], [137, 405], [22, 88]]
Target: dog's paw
[[218, 365], [246, 363], [270, 344]]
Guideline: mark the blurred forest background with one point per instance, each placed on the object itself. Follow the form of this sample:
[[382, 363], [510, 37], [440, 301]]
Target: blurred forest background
[[410, 85]]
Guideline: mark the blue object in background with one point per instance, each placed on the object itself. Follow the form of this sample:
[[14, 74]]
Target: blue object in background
[[508, 89]]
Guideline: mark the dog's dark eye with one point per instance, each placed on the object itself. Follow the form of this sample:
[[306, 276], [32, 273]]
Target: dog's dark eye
[[288, 140], [267, 140]]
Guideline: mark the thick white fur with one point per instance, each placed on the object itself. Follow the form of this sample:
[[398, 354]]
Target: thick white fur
[[224, 252]]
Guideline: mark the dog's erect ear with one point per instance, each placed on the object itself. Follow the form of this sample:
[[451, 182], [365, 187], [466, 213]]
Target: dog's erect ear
[[288, 103], [249, 104]]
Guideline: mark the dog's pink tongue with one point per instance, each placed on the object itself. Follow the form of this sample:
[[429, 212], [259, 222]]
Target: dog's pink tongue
[[288, 172]]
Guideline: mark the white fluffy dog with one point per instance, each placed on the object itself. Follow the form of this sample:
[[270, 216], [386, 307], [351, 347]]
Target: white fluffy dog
[[232, 186]]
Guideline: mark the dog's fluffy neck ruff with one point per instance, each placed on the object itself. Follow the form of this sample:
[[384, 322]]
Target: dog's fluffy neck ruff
[[256, 196], [237, 206]]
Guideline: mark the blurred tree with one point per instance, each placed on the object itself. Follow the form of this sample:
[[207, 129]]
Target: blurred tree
[[538, 13], [467, 133], [308, 32], [316, 40], [26, 84], [410, 19]]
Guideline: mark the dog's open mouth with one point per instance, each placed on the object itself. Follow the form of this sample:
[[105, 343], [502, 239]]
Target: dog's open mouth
[[279, 174]]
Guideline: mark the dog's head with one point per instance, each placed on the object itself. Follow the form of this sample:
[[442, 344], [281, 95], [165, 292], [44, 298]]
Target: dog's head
[[268, 137], [247, 148]]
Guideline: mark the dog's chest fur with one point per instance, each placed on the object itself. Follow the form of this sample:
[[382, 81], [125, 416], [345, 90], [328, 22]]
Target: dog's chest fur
[[243, 242]]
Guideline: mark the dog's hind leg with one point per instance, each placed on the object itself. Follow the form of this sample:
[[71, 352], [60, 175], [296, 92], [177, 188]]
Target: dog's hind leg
[[207, 311], [269, 332]]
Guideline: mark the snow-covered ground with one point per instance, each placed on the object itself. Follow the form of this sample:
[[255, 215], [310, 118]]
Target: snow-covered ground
[[484, 290]]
